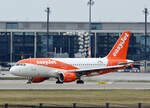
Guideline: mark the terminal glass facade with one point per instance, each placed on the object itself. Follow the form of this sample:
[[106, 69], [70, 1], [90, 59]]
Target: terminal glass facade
[[65, 44], [54, 43], [137, 47], [39, 44], [23, 45], [136, 50], [104, 43], [4, 46]]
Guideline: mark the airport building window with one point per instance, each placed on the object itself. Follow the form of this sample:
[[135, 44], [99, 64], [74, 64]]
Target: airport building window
[[136, 47], [23, 46], [4, 46], [95, 26], [12, 25], [29, 33], [105, 42], [41, 44], [58, 45]]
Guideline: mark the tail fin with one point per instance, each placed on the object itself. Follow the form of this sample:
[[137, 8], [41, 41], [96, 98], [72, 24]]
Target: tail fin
[[119, 51]]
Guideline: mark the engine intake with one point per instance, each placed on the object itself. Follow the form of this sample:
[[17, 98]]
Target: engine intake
[[67, 77]]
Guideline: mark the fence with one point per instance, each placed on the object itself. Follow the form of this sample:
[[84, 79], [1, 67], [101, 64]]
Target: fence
[[75, 105]]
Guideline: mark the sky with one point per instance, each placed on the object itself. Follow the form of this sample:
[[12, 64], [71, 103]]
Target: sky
[[74, 10]]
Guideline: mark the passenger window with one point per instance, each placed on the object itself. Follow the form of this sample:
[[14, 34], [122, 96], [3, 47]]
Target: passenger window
[[20, 64]]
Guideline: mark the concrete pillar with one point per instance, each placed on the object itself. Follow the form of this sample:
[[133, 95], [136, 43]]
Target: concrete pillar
[[11, 47], [35, 44], [95, 44]]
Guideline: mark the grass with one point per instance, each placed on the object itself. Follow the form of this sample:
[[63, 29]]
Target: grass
[[67, 97]]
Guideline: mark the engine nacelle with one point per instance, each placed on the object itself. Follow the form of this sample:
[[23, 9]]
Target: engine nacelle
[[38, 79], [67, 77]]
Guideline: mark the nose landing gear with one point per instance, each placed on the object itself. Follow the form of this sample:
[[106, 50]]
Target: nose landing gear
[[29, 80]]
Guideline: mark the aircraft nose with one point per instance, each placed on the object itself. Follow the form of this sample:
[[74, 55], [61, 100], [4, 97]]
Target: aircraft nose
[[14, 71]]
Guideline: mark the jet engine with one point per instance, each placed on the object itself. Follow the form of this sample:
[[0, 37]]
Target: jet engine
[[67, 77], [38, 79]]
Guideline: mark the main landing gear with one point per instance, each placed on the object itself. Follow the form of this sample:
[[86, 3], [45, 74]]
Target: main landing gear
[[80, 81], [59, 82]]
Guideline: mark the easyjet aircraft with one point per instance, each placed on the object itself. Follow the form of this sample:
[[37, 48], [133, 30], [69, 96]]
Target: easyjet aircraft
[[72, 69]]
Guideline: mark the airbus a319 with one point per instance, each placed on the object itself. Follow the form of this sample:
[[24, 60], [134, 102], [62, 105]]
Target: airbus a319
[[72, 69]]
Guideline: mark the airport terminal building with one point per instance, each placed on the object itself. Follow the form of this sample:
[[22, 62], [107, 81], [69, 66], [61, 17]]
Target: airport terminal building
[[20, 40]]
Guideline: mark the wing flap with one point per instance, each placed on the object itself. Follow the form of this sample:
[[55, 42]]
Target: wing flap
[[84, 71]]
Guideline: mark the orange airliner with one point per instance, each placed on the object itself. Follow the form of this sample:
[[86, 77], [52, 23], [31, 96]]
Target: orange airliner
[[72, 69]]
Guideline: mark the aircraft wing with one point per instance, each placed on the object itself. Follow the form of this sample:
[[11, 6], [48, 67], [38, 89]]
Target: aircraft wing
[[99, 70]]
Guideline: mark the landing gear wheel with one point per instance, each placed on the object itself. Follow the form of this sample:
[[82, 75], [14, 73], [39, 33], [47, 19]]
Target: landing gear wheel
[[58, 82], [30, 80], [80, 82]]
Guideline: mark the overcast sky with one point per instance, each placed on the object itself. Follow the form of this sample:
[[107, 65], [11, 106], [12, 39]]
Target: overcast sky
[[73, 10]]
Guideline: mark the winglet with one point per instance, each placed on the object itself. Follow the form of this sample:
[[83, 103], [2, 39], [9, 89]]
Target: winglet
[[119, 51]]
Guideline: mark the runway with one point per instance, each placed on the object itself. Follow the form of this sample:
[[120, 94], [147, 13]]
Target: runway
[[91, 83], [124, 76], [51, 85]]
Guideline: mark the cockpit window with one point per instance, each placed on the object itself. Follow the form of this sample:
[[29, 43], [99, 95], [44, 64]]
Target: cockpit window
[[20, 64]]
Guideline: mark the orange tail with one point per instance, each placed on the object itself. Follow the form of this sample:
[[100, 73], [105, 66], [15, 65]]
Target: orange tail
[[119, 51]]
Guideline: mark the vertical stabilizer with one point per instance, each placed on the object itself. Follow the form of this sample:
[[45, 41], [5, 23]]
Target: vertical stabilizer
[[119, 51]]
